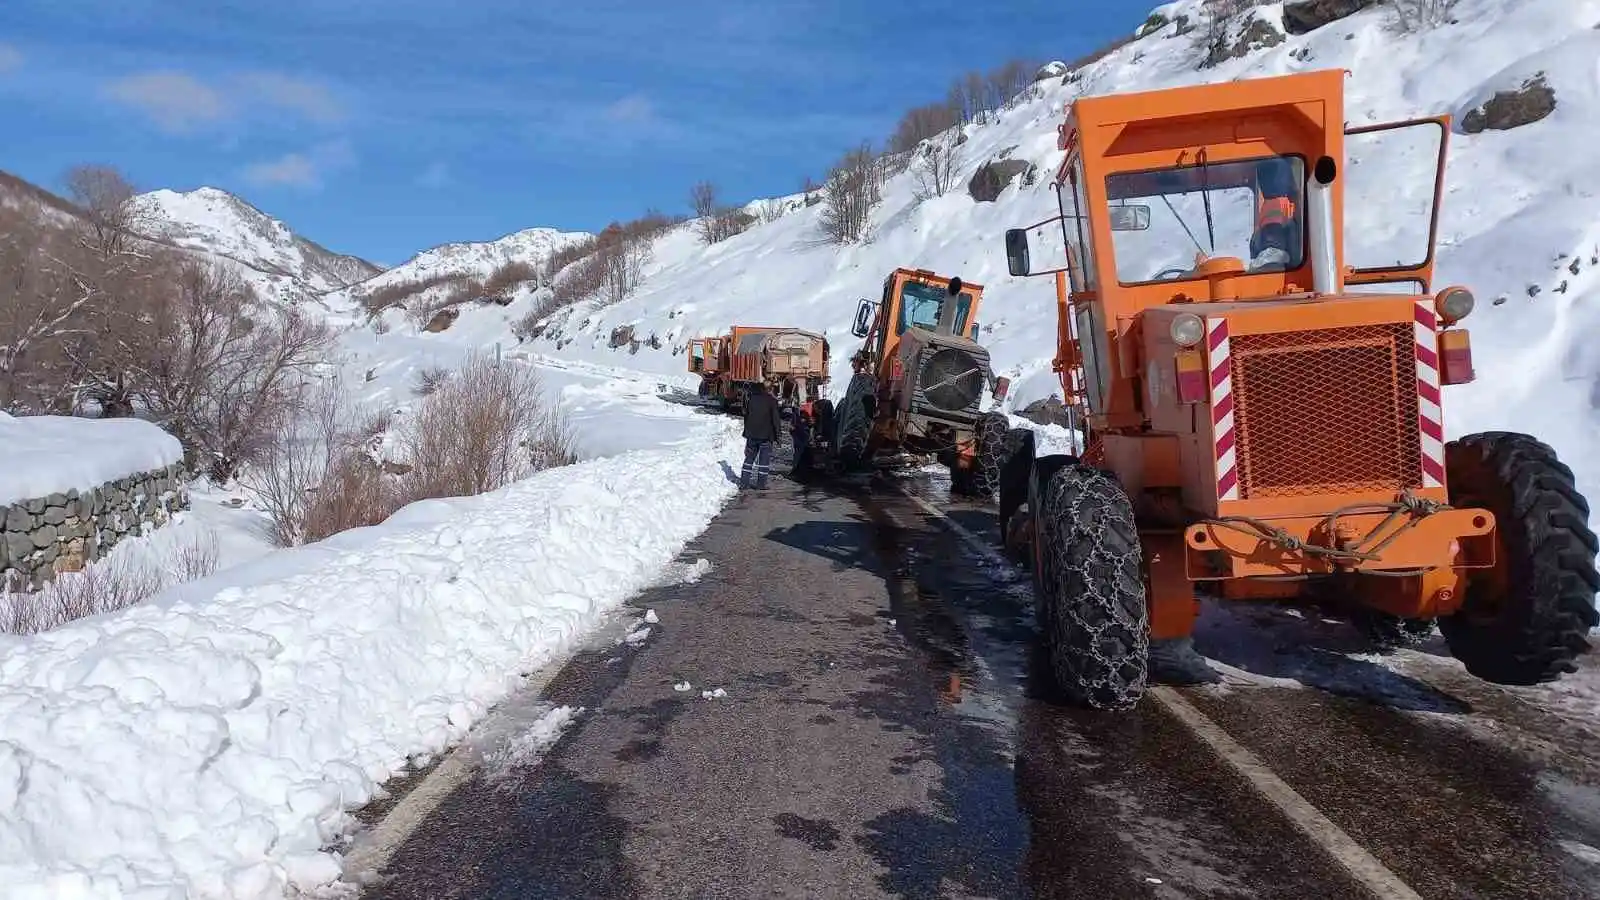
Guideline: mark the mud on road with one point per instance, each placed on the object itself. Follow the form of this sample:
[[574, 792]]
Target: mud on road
[[886, 731]]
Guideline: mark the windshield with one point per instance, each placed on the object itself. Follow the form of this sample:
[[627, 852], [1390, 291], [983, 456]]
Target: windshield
[[1249, 209], [919, 308]]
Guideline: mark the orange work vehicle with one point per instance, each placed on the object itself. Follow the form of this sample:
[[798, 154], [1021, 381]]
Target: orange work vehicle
[[791, 362], [1260, 396], [917, 385]]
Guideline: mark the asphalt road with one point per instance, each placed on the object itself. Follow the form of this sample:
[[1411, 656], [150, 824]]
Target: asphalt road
[[885, 733]]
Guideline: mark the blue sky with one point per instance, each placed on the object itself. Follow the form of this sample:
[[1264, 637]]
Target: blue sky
[[383, 127]]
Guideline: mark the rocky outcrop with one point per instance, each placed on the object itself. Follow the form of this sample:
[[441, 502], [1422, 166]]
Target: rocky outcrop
[[1257, 34], [1512, 109], [1307, 16], [992, 177], [45, 536]]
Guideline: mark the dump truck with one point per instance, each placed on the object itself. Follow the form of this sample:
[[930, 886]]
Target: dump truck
[[917, 384], [791, 362], [1261, 395]]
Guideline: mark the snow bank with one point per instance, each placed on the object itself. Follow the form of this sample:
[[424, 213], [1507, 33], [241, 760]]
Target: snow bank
[[44, 455], [207, 747]]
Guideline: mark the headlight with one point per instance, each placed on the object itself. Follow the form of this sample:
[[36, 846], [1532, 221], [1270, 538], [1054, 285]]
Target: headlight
[[1187, 329], [1455, 304]]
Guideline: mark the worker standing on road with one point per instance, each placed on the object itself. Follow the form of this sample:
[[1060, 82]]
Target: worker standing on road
[[800, 430], [762, 425]]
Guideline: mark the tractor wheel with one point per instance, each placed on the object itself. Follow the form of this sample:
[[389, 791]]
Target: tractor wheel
[[990, 435], [1089, 585], [1014, 476], [855, 421], [1529, 621]]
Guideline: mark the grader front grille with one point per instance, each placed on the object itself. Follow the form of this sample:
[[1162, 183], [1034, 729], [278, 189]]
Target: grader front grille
[[1326, 412]]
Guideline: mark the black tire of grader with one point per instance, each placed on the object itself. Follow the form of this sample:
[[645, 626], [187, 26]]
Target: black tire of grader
[[855, 421], [1089, 586], [1536, 632], [989, 434], [1015, 475]]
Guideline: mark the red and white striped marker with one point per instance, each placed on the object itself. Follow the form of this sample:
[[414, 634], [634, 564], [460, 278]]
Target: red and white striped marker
[[1430, 417], [1222, 430]]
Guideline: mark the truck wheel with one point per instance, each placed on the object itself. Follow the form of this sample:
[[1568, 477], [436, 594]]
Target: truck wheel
[[854, 421], [1528, 621], [1089, 586], [1014, 476], [990, 435]]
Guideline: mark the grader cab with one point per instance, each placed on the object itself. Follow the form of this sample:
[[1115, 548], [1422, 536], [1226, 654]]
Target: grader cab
[[918, 383], [1260, 394], [708, 360]]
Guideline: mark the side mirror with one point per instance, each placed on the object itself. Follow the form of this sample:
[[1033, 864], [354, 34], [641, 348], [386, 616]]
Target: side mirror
[[1017, 250], [863, 323], [1133, 217]]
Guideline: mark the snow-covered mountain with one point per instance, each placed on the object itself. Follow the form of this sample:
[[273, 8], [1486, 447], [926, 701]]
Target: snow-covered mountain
[[1520, 224], [217, 222], [477, 259]]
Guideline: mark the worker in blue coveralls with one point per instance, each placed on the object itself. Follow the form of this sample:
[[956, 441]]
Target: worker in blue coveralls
[[762, 425]]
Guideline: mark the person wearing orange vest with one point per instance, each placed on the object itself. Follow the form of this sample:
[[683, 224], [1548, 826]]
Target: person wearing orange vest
[[1277, 216]]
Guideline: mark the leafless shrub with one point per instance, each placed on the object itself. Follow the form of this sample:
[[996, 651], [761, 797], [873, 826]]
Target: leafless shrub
[[715, 221], [769, 211], [936, 167], [105, 586], [923, 123], [1420, 15], [849, 195], [429, 380], [376, 300], [353, 493], [563, 258], [487, 426], [504, 279], [528, 326], [105, 198], [306, 447]]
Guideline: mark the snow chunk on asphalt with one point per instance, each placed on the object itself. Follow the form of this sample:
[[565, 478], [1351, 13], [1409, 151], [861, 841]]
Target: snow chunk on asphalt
[[529, 747], [651, 617], [210, 745]]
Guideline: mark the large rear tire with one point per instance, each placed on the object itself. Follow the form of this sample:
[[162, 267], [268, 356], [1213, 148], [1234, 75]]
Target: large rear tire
[[1089, 585], [854, 419], [1531, 623], [989, 436]]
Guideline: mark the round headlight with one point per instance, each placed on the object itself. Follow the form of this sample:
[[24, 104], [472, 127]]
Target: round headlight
[[1455, 304], [1187, 329]]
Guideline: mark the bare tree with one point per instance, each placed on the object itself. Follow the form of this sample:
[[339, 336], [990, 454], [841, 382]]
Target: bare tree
[[703, 198], [936, 167], [221, 371], [304, 451], [849, 195], [770, 211], [922, 123], [105, 197], [716, 222]]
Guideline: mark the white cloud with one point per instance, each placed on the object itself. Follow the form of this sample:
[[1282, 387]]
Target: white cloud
[[302, 170], [436, 175], [11, 59], [175, 101], [309, 98], [634, 109]]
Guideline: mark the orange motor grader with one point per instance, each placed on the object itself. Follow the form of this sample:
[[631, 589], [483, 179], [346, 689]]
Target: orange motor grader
[[1260, 400]]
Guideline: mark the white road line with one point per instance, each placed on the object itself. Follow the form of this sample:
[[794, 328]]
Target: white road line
[[377, 845], [1362, 866]]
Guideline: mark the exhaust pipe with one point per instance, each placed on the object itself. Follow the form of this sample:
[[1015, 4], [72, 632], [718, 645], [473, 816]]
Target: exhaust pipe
[[946, 323], [1325, 276]]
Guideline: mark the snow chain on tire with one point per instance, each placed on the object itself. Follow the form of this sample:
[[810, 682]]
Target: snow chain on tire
[[1091, 590], [855, 426], [991, 434]]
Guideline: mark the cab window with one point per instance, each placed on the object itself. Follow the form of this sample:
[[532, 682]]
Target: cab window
[[920, 304]]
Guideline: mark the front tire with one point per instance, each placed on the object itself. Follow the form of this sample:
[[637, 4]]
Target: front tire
[[854, 418], [1528, 621], [1089, 586], [990, 437]]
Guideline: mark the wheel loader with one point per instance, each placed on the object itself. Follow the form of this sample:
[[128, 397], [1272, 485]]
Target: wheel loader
[[1261, 399], [917, 385]]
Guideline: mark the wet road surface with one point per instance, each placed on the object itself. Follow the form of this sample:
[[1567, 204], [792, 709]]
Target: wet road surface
[[885, 732]]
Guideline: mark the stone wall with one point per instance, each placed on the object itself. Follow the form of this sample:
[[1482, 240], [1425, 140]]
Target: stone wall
[[62, 532]]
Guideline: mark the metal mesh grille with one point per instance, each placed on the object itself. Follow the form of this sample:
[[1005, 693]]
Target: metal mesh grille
[[951, 379], [1329, 411]]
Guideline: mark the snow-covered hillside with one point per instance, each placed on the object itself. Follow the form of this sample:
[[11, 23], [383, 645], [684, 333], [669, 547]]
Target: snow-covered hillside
[[476, 259], [1520, 226], [217, 222]]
